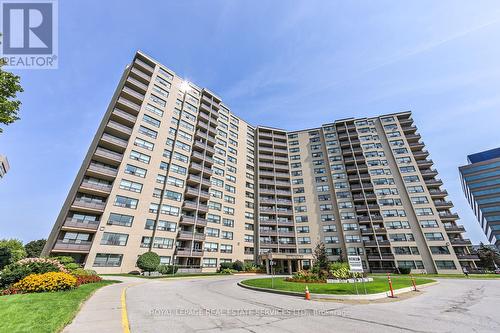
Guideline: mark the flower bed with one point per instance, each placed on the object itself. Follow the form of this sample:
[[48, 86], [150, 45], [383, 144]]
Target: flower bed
[[52, 281]]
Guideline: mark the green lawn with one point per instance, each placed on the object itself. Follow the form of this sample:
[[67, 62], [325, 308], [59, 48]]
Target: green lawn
[[44, 312], [378, 285]]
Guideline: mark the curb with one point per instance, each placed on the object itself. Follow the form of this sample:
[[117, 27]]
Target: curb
[[338, 297]]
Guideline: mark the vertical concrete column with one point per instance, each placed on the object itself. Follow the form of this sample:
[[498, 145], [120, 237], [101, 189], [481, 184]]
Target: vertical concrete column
[[267, 266], [289, 266]]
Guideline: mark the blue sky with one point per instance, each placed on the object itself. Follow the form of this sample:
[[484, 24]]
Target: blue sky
[[288, 64]]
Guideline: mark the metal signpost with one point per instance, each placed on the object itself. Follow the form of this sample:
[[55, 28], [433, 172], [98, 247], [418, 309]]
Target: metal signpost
[[356, 266]]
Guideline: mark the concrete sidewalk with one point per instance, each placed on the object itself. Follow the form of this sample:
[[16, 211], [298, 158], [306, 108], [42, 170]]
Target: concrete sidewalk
[[103, 311]]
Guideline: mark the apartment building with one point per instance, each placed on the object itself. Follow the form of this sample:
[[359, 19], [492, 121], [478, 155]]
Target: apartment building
[[4, 165], [173, 170], [481, 185]]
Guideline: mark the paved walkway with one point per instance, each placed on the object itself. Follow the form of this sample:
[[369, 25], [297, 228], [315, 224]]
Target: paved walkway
[[217, 304]]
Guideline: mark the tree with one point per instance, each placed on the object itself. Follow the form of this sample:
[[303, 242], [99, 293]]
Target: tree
[[320, 257], [5, 257], [16, 248], [9, 87], [34, 248], [148, 261], [488, 257]]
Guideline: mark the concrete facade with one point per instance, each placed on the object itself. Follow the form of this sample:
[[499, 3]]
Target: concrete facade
[[173, 170], [4, 165]]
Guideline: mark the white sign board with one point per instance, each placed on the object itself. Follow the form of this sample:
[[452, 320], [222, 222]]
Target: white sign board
[[355, 264]]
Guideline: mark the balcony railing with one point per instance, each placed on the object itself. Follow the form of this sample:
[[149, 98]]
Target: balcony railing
[[80, 224], [91, 205], [102, 169], [72, 245], [99, 187]]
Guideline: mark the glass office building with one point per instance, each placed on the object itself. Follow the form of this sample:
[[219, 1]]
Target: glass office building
[[481, 185]]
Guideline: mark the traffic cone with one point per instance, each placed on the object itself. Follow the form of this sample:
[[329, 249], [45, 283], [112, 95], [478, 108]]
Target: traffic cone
[[308, 295]]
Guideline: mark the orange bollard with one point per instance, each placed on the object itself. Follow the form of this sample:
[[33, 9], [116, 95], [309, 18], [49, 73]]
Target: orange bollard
[[413, 282], [390, 284], [308, 295]]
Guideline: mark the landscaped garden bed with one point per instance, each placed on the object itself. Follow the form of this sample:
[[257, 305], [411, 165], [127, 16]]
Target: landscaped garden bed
[[378, 285]]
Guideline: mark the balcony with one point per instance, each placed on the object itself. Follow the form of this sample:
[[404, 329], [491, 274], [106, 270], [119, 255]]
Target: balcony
[[369, 231], [140, 75], [194, 179], [454, 228], [416, 146], [137, 84], [127, 105], [374, 218], [268, 232], [429, 173], [108, 156], [189, 235], [433, 182], [460, 241], [130, 93], [108, 140], [124, 117], [102, 170], [380, 257], [268, 222], [94, 206], [420, 155], [141, 64], [413, 137], [425, 163], [72, 246], [287, 245], [118, 129], [192, 205], [75, 224], [186, 252], [443, 204], [409, 129], [449, 216], [285, 223], [465, 256], [438, 193], [93, 187], [373, 243], [191, 220]]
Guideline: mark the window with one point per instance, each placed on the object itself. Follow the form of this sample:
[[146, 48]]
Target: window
[[434, 236], [148, 132], [440, 250], [108, 260], [175, 182], [228, 222], [445, 264], [428, 224], [130, 186], [143, 144], [161, 225], [209, 262], [227, 235], [331, 239], [126, 202], [135, 155], [178, 169], [171, 195], [211, 247], [150, 120], [329, 228], [154, 110], [424, 211], [169, 210], [212, 232], [110, 238], [120, 219], [136, 171]]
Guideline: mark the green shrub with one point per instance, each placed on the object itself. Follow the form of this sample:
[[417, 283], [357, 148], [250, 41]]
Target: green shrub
[[404, 270], [148, 261], [19, 270], [238, 265], [305, 276], [13, 273], [225, 265], [227, 271], [65, 260], [167, 269], [339, 270]]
